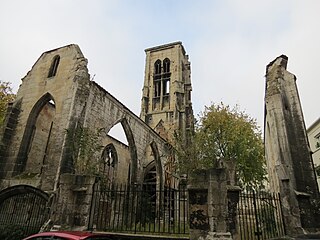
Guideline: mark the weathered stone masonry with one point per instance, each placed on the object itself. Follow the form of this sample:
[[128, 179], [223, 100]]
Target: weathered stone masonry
[[289, 160], [57, 95]]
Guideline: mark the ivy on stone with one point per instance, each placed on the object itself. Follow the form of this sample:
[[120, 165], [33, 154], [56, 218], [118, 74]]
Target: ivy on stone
[[84, 145]]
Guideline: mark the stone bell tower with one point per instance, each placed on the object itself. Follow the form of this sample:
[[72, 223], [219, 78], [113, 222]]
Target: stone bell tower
[[166, 95]]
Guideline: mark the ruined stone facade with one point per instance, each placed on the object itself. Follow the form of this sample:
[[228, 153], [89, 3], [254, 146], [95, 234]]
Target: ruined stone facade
[[57, 98], [288, 156]]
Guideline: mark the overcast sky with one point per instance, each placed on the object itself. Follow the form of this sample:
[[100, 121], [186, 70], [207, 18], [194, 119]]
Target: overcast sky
[[229, 44]]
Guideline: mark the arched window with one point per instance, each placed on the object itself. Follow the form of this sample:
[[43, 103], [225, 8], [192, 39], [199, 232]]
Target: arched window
[[166, 77], [54, 66], [157, 78], [166, 65], [109, 155], [109, 158], [157, 67]]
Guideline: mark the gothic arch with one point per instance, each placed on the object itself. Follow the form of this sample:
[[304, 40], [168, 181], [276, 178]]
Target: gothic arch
[[157, 67], [166, 65], [109, 160], [28, 132], [133, 178]]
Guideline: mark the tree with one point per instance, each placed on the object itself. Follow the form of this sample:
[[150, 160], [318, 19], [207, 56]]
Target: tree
[[225, 134], [6, 96]]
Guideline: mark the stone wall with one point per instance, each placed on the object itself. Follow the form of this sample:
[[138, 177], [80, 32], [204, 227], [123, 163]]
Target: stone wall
[[73, 203], [213, 205], [289, 161], [57, 96]]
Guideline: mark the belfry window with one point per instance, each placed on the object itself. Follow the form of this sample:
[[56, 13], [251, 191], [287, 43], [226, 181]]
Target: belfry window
[[54, 66], [166, 77], [157, 88], [166, 86], [157, 67], [166, 65], [161, 78], [157, 78]]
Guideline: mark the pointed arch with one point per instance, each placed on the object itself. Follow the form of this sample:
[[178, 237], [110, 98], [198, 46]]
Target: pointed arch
[[157, 67], [109, 160], [29, 132], [133, 175], [157, 79], [166, 65]]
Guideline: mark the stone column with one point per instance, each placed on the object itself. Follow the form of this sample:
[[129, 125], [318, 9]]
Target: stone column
[[208, 199], [73, 202]]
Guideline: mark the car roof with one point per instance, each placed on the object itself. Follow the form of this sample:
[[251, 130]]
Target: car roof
[[67, 234]]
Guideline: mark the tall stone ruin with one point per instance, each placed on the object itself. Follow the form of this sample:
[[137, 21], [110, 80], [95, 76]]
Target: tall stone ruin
[[289, 161]]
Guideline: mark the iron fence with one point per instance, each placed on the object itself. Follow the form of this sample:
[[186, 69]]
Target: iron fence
[[140, 209], [22, 214], [260, 216]]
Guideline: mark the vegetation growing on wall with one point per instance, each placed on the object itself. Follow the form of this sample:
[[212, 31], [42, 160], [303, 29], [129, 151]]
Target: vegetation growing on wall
[[6, 96], [84, 146], [222, 134]]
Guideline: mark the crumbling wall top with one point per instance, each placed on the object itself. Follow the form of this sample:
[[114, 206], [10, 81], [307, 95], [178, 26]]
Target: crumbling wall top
[[279, 61]]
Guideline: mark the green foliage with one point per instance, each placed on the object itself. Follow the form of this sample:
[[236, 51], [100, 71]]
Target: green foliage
[[84, 145], [225, 134], [6, 96], [11, 231]]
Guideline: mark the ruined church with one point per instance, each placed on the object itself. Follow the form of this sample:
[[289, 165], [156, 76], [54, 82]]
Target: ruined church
[[59, 165], [58, 106]]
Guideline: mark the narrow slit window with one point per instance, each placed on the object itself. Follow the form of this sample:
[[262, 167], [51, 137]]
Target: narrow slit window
[[157, 78], [54, 66], [166, 77]]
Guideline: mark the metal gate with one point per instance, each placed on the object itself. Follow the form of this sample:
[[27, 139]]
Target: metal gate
[[260, 216], [141, 210], [22, 210]]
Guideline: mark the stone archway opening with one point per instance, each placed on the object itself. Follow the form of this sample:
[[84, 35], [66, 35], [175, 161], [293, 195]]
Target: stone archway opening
[[127, 139], [33, 150]]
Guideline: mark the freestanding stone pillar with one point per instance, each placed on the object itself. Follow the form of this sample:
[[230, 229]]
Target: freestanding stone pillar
[[73, 202], [208, 199], [288, 156]]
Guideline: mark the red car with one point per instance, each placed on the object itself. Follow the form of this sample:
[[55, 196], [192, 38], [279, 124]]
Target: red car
[[69, 235]]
